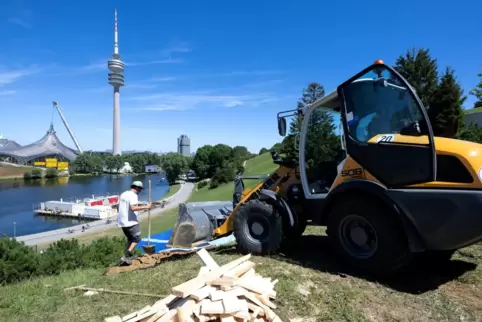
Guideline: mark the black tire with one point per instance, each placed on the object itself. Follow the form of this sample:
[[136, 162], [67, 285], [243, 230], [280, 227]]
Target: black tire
[[293, 233], [257, 228], [386, 247]]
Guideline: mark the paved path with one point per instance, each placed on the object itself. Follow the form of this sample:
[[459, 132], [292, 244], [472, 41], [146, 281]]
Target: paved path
[[99, 225]]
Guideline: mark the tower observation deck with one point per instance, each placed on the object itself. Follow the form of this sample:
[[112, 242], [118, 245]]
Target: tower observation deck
[[116, 79]]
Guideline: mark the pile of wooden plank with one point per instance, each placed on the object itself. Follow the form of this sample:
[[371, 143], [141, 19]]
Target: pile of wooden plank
[[231, 292]]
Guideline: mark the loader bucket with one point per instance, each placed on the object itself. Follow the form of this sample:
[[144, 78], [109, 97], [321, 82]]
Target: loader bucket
[[196, 222]]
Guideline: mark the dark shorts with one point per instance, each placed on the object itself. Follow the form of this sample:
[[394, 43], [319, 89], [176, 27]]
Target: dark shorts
[[133, 233]]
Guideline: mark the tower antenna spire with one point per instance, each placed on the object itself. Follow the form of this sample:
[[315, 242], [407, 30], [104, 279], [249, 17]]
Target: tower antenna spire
[[116, 36], [116, 79]]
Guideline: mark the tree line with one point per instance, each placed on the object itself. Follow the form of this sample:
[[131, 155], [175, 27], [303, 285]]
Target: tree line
[[219, 162]]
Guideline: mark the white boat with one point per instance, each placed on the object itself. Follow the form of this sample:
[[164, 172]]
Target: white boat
[[99, 207]]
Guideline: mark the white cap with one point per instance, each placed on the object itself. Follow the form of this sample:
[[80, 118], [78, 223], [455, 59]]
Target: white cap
[[138, 184]]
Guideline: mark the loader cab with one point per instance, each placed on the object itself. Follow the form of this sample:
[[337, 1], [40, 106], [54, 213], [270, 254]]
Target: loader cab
[[378, 115]]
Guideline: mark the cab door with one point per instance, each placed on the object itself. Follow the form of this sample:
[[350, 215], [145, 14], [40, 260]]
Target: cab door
[[387, 130]]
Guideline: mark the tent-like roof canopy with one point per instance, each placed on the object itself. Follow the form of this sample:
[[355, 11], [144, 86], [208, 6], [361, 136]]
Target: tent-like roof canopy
[[6, 144], [49, 144]]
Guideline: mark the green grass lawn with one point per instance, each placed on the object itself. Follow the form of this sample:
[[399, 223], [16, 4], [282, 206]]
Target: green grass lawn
[[12, 172], [313, 286], [261, 164], [473, 110]]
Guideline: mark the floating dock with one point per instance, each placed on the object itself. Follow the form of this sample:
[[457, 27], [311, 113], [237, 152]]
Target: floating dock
[[94, 208]]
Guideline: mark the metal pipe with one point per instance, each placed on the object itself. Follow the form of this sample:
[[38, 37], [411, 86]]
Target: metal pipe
[[56, 105]]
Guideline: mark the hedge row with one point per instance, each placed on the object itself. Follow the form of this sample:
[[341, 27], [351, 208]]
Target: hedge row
[[19, 262]]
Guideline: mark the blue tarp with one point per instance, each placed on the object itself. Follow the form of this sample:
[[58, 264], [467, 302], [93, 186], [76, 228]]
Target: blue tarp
[[162, 238]]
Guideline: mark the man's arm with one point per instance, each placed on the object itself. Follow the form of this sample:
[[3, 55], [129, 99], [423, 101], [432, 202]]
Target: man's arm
[[135, 207], [140, 208]]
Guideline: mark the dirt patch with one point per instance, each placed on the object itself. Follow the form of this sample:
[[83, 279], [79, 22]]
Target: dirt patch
[[148, 261], [465, 295]]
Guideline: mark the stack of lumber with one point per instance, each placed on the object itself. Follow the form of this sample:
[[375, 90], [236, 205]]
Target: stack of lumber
[[231, 292]]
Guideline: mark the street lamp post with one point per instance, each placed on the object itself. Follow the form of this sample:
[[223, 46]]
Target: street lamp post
[[14, 229]]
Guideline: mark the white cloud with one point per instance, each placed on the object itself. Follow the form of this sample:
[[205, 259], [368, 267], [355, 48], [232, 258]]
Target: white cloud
[[150, 83], [161, 79], [95, 65], [138, 130], [176, 47], [154, 62], [184, 101], [162, 108], [20, 22], [101, 64], [4, 93], [13, 75], [141, 86]]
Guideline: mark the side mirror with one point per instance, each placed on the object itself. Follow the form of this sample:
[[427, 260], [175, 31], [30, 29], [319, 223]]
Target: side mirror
[[282, 126]]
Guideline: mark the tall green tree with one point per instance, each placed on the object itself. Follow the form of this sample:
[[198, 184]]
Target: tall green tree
[[471, 133], [118, 162], [200, 163], [313, 92], [220, 154], [96, 163], [82, 163], [262, 151], [174, 164], [446, 113], [477, 92], [420, 70]]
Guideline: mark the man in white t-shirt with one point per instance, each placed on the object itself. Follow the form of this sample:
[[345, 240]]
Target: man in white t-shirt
[[127, 218]]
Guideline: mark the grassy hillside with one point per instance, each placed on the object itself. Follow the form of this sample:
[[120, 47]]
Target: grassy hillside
[[313, 286], [474, 110], [261, 164]]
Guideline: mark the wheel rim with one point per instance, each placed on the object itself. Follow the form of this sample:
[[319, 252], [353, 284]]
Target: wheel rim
[[257, 228], [358, 237]]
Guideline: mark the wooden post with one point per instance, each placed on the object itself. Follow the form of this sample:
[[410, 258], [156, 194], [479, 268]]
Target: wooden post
[[149, 215]]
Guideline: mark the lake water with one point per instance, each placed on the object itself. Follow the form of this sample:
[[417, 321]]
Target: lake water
[[17, 199]]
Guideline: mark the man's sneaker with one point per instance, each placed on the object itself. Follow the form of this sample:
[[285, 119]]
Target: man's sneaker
[[126, 260]]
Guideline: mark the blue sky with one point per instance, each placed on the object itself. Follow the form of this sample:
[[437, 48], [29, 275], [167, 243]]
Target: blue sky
[[218, 71]]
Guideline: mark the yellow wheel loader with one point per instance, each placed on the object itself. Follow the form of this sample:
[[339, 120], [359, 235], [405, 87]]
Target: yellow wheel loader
[[396, 190]]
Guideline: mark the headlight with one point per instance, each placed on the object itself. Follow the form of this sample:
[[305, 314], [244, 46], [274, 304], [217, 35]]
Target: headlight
[[480, 174]]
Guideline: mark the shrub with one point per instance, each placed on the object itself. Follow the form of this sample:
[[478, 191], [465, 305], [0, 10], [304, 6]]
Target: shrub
[[60, 256], [240, 170], [213, 184], [202, 184], [224, 174], [51, 173], [17, 261], [103, 252], [36, 174], [27, 176]]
